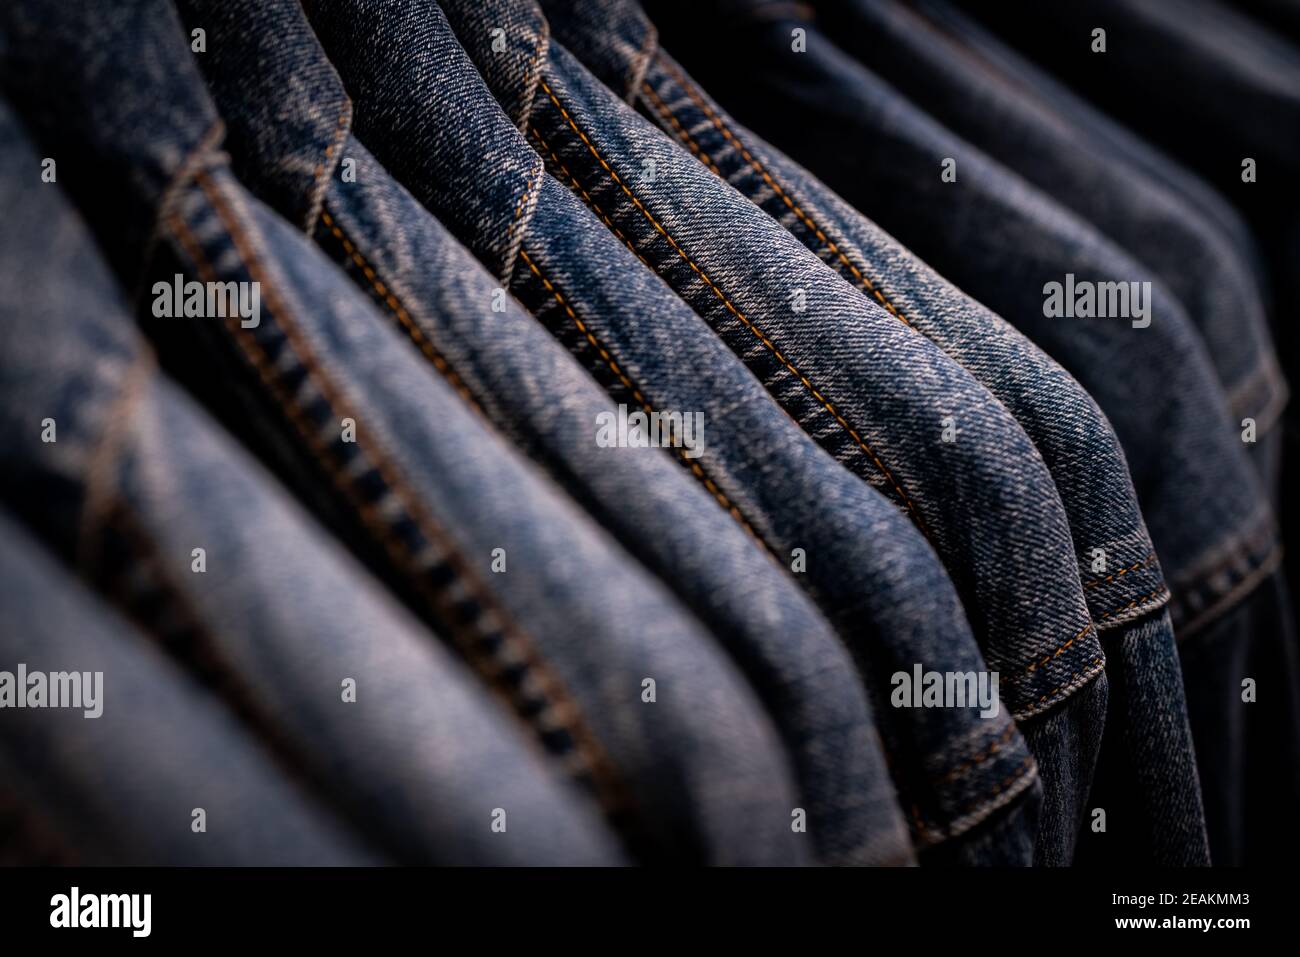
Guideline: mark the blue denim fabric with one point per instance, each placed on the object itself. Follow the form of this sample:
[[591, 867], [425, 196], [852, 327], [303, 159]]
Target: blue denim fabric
[[288, 119], [999, 111], [1229, 89], [1001, 241], [121, 788], [835, 360], [1076, 441], [280, 616], [1250, 802], [570, 631], [955, 771]]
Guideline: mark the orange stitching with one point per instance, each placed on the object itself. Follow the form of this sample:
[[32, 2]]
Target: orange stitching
[[1123, 571], [399, 311], [981, 757], [586, 198], [1161, 591], [740, 315], [1020, 771], [776, 187], [1088, 669], [533, 177], [1059, 651], [683, 134], [329, 150], [564, 709], [584, 330], [1015, 775], [257, 356], [532, 74], [696, 469], [1109, 614]]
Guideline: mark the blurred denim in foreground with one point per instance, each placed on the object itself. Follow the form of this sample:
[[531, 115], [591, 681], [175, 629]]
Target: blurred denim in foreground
[[171, 520], [387, 452]]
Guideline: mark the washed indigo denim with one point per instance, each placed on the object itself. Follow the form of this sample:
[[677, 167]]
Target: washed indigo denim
[[834, 359], [572, 627], [121, 788], [892, 601], [1073, 436], [1001, 241], [280, 616], [1001, 113], [288, 118], [1228, 89]]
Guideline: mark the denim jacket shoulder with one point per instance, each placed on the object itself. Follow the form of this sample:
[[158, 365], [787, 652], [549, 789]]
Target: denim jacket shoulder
[[505, 364], [421, 485], [155, 506], [746, 287]]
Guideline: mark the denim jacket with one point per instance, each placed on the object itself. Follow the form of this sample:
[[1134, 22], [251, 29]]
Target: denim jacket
[[171, 520], [527, 384], [567, 629], [1002, 114], [834, 359], [1005, 243], [892, 600], [1073, 436], [1228, 106]]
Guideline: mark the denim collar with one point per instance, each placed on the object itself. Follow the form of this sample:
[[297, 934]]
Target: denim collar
[[507, 40], [614, 38], [284, 105], [422, 109], [112, 93]]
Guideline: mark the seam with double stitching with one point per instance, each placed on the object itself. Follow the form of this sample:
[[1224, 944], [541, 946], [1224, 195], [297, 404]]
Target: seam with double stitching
[[829, 245], [473, 631], [694, 467], [745, 320]]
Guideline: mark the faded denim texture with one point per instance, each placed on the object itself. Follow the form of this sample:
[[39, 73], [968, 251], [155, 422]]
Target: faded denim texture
[[645, 344], [833, 358], [1227, 90], [280, 615], [1074, 437], [121, 788], [426, 491], [922, 54], [1001, 240], [289, 121]]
